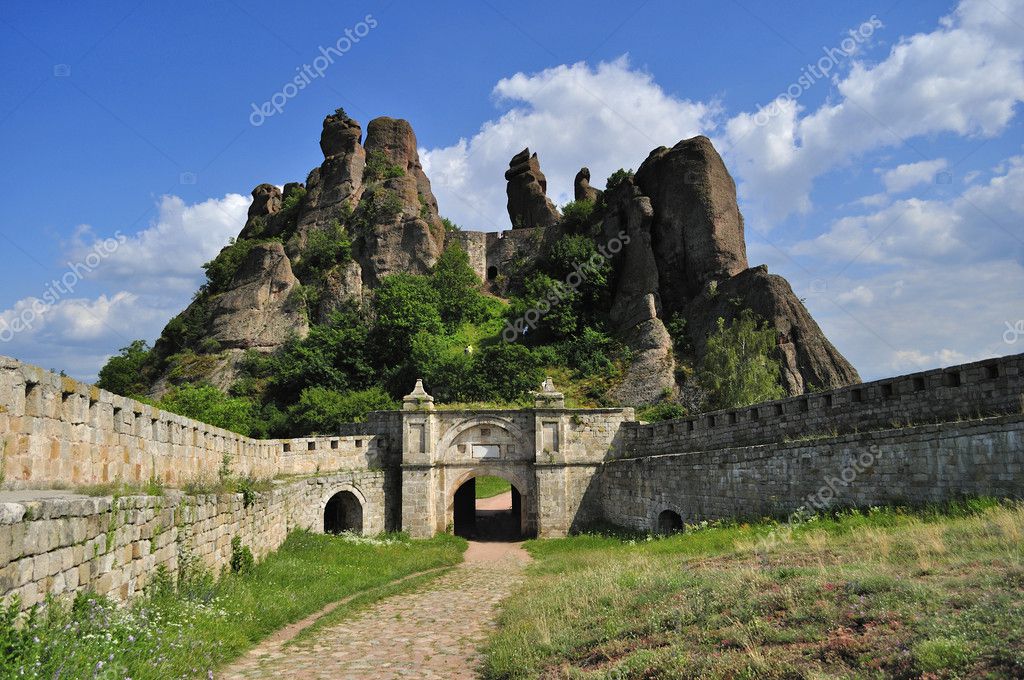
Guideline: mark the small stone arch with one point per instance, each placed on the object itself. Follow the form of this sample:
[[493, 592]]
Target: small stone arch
[[492, 273], [343, 509], [669, 522]]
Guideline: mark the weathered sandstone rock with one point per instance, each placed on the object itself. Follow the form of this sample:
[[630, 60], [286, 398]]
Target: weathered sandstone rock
[[528, 202], [581, 187]]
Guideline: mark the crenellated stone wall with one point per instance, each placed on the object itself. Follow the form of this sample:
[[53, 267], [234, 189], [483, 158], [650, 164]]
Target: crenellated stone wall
[[983, 388], [57, 432], [916, 465], [928, 437]]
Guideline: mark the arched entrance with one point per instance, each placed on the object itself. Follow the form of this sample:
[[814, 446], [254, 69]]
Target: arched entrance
[[487, 516], [343, 512], [669, 522]]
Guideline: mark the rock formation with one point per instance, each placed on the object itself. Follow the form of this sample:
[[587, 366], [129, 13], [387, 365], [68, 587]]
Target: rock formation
[[528, 202], [697, 223], [259, 312], [369, 211], [686, 231], [582, 191]]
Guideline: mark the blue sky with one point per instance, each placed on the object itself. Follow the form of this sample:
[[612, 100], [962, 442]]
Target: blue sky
[[889, 191]]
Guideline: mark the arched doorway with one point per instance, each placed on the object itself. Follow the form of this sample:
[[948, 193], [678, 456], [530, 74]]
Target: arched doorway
[[343, 512], [669, 522], [491, 510]]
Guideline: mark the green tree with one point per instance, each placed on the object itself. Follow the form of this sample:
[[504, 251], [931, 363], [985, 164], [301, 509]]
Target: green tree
[[122, 373], [458, 288], [335, 356], [323, 411], [738, 367], [222, 269], [208, 404], [505, 372], [405, 304], [445, 367]]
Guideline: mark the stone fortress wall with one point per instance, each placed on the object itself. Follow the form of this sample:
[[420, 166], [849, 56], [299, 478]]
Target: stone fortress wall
[[114, 546], [926, 437], [56, 432]]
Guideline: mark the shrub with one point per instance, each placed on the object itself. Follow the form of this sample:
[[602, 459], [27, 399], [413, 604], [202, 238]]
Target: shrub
[[294, 199], [209, 405], [590, 353], [241, 557], [333, 355], [450, 226], [222, 269], [326, 247], [321, 410], [664, 410], [577, 214], [506, 371], [617, 178], [378, 167], [122, 373]]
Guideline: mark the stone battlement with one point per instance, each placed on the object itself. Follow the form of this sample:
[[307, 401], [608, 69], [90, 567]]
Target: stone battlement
[[982, 388], [58, 432]]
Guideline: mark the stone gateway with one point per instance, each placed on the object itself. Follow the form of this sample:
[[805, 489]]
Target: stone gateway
[[923, 438]]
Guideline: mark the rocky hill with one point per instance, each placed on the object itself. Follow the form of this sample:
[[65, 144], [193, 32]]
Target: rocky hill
[[672, 231]]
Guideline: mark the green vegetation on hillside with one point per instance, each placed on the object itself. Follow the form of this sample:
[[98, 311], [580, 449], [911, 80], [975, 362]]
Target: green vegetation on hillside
[[440, 327], [191, 625], [880, 594]]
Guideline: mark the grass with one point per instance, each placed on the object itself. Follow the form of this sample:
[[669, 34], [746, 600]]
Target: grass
[[488, 487], [887, 593], [193, 630]]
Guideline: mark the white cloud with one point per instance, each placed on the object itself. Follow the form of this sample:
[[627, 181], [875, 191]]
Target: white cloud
[[929, 315], [154, 273], [169, 254], [861, 295], [983, 222], [965, 78], [909, 175], [604, 118]]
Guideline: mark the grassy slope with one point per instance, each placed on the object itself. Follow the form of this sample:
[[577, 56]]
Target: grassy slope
[[172, 636], [887, 595], [488, 487]]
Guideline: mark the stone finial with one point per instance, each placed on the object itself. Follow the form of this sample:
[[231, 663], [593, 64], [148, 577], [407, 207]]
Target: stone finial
[[418, 399], [548, 396]]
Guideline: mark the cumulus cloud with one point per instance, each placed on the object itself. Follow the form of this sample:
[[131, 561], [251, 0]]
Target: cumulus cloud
[[169, 254], [603, 117], [909, 175], [965, 77], [861, 295], [152, 275], [982, 222]]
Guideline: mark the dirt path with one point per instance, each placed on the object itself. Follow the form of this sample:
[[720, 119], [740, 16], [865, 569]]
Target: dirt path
[[431, 633]]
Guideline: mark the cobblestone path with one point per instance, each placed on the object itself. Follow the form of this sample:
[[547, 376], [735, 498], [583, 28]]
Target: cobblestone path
[[433, 632]]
